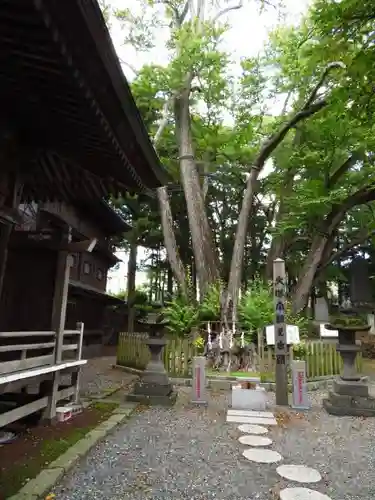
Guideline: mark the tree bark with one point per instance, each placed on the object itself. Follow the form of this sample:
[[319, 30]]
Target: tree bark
[[170, 241], [206, 260], [132, 271]]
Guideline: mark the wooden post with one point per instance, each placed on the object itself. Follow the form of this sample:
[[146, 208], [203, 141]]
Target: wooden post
[[76, 376], [281, 346], [60, 299]]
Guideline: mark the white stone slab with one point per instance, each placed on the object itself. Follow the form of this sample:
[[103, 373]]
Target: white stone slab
[[262, 456], [252, 429], [251, 413], [255, 440], [251, 420], [302, 494], [299, 473]]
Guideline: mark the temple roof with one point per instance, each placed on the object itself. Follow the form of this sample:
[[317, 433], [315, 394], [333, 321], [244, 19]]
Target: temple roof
[[68, 105]]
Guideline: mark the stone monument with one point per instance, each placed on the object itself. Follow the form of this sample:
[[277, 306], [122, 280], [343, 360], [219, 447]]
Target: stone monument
[[154, 386], [350, 394]]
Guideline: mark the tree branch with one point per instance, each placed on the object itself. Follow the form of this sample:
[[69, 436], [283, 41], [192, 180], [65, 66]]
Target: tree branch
[[338, 173], [309, 108], [362, 236], [226, 10]]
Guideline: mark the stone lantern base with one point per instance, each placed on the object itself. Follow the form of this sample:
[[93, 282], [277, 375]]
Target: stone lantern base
[[350, 398], [350, 394], [154, 387]]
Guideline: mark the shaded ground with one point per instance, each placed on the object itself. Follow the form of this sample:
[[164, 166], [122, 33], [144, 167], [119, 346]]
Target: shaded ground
[[37, 446], [191, 453], [98, 377]]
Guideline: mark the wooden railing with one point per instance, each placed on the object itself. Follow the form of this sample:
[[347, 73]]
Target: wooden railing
[[29, 358]]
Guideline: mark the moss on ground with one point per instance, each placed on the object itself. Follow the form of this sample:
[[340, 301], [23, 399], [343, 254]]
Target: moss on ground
[[48, 451]]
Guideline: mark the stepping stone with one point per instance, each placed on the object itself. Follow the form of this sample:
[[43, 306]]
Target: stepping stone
[[251, 413], [299, 473], [302, 494], [251, 420], [255, 441], [262, 456], [252, 429]]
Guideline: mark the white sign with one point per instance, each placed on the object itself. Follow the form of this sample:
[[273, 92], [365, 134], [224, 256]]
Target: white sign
[[292, 334], [371, 322], [199, 380], [300, 397], [325, 333]]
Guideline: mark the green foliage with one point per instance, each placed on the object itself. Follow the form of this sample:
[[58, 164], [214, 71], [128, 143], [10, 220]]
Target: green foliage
[[180, 317], [199, 344], [140, 302], [300, 351], [209, 309], [256, 308]]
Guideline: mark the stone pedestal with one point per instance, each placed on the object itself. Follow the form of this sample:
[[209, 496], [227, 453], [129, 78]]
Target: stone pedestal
[[154, 387], [350, 395]]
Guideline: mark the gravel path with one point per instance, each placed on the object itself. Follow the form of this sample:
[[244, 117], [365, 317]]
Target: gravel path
[[191, 453], [98, 377]]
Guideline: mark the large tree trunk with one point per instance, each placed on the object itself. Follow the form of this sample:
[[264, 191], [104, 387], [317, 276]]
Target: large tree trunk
[[132, 271], [308, 271], [170, 241], [205, 256]]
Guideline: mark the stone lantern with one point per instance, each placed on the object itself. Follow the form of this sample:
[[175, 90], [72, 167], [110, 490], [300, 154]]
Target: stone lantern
[[350, 394], [154, 386]]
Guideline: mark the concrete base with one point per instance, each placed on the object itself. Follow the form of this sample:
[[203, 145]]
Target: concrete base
[[350, 398], [153, 400]]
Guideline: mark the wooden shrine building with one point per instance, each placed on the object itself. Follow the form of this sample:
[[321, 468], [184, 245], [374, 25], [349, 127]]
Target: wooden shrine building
[[70, 137]]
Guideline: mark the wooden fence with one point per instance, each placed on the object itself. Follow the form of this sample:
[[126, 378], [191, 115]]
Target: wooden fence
[[321, 357], [134, 353]]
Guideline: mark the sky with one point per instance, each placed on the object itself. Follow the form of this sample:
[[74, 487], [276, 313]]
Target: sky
[[246, 38]]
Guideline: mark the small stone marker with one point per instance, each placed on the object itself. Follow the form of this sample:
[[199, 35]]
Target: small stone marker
[[321, 310], [300, 397], [299, 473], [262, 456], [302, 494], [199, 380], [255, 440], [252, 429]]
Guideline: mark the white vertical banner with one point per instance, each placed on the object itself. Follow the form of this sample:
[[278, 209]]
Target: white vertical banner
[[199, 380], [300, 397]]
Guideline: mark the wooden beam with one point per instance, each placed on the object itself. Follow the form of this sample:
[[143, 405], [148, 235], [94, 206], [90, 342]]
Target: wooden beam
[[60, 300]]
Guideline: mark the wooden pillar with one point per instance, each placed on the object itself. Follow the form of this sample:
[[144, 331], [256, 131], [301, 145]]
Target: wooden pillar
[[60, 300]]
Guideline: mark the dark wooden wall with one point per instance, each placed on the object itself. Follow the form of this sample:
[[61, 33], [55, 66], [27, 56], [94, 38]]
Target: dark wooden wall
[[90, 269], [26, 302]]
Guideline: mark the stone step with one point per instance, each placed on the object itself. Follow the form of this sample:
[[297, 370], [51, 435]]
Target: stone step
[[347, 411], [348, 388], [352, 401]]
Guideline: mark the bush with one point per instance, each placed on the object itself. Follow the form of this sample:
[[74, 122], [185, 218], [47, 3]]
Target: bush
[[180, 317]]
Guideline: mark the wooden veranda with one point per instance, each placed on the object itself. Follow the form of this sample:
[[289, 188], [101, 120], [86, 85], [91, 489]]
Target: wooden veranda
[[69, 132]]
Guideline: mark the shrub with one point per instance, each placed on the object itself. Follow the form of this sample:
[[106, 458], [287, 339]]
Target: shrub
[[180, 317]]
